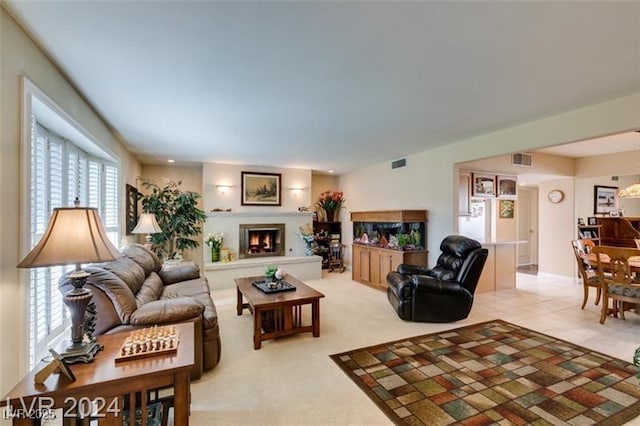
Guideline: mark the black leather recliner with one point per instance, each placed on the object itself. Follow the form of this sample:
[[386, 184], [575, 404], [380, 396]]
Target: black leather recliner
[[441, 294]]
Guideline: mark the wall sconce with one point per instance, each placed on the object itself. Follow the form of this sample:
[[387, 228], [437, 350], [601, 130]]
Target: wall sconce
[[223, 189], [295, 191]]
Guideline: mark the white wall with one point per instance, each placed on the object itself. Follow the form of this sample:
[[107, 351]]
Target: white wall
[[230, 174], [557, 228], [599, 170], [429, 180], [585, 194]]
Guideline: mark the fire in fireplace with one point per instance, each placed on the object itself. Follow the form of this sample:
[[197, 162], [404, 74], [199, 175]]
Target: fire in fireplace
[[261, 240]]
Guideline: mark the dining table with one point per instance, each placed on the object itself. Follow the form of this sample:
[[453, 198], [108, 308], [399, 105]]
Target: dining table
[[591, 260]]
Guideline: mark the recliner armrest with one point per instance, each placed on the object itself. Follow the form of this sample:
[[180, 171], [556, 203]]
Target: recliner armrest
[[404, 268], [426, 284], [166, 311]]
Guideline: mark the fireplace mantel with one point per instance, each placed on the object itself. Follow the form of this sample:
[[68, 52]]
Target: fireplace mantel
[[260, 214]]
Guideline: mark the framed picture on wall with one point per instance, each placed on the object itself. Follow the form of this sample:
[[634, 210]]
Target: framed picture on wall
[[507, 186], [131, 210], [261, 189], [605, 199], [507, 209], [483, 185]]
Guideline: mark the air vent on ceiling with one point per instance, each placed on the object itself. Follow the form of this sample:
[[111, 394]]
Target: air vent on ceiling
[[399, 163], [521, 159]]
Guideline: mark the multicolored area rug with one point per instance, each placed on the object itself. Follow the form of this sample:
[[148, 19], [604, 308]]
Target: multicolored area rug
[[494, 372]]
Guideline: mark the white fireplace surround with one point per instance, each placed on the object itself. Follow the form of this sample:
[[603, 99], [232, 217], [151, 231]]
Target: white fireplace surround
[[220, 275], [229, 223]]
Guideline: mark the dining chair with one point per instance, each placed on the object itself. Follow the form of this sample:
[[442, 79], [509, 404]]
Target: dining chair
[[617, 271], [589, 276]]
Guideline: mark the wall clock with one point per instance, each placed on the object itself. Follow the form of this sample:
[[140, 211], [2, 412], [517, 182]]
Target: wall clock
[[555, 196]]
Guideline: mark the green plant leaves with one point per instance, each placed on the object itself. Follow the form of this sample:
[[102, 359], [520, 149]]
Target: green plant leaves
[[177, 214]]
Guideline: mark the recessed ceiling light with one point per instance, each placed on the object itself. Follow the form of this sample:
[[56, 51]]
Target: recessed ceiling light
[[330, 171], [171, 161]]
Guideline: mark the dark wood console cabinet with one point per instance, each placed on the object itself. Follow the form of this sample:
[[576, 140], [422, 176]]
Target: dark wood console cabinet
[[619, 231], [326, 233]]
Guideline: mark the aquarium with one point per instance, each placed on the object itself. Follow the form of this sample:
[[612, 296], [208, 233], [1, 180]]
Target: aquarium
[[402, 236]]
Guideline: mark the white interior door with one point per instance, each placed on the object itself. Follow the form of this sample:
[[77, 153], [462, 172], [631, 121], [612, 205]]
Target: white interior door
[[527, 226]]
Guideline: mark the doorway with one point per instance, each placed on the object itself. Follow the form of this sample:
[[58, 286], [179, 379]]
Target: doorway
[[527, 214]]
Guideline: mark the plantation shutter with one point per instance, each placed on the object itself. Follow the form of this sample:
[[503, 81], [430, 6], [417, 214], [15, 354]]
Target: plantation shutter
[[60, 172], [110, 214]]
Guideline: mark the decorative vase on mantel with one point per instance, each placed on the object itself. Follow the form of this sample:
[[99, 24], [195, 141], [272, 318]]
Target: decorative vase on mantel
[[215, 254]]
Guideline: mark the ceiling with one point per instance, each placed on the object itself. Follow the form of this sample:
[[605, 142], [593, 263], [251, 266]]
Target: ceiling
[[331, 85]]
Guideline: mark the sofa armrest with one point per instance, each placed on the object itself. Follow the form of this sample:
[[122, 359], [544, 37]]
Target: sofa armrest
[[166, 311], [172, 273], [404, 268]]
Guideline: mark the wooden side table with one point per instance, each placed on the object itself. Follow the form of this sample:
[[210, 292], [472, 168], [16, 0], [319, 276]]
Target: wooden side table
[[102, 386]]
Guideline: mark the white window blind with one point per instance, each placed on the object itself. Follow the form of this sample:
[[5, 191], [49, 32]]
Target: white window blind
[[60, 172]]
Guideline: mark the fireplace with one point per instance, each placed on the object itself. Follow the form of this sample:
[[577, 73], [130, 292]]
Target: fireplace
[[261, 240]]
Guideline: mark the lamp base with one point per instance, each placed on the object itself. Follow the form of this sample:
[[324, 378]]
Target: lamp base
[[82, 348], [74, 353]]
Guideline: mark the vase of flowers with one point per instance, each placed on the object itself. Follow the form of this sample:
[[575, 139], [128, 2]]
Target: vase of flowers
[[306, 234], [215, 242], [331, 202]]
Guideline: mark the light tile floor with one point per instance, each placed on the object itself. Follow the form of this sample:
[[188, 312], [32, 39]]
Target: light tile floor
[[551, 305]]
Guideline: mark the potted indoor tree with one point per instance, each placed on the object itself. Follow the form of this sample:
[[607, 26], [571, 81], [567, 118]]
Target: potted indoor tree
[[178, 216]]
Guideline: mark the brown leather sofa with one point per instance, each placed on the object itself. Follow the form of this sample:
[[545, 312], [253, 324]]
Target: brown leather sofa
[[136, 291]]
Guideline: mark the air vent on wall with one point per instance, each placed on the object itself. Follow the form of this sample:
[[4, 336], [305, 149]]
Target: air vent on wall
[[521, 159], [399, 163]]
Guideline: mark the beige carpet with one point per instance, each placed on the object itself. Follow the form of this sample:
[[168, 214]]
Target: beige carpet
[[293, 380]]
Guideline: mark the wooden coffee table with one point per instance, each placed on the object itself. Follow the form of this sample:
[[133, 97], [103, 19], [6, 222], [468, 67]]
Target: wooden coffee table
[[278, 314], [107, 383]]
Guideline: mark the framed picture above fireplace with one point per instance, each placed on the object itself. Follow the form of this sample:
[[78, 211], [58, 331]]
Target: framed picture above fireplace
[[261, 189]]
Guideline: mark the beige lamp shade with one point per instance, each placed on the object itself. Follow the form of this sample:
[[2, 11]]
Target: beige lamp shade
[[73, 235], [147, 224]]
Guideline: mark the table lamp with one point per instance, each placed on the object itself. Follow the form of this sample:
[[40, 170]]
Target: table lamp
[[74, 235], [147, 224]]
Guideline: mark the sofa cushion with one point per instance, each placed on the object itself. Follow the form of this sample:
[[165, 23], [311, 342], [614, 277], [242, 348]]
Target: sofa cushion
[[199, 290], [150, 290], [172, 273], [118, 292], [166, 311], [128, 271], [143, 257]]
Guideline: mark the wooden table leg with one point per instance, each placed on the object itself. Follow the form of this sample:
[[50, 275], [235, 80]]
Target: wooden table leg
[[181, 398], [239, 303], [315, 317], [257, 328]]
